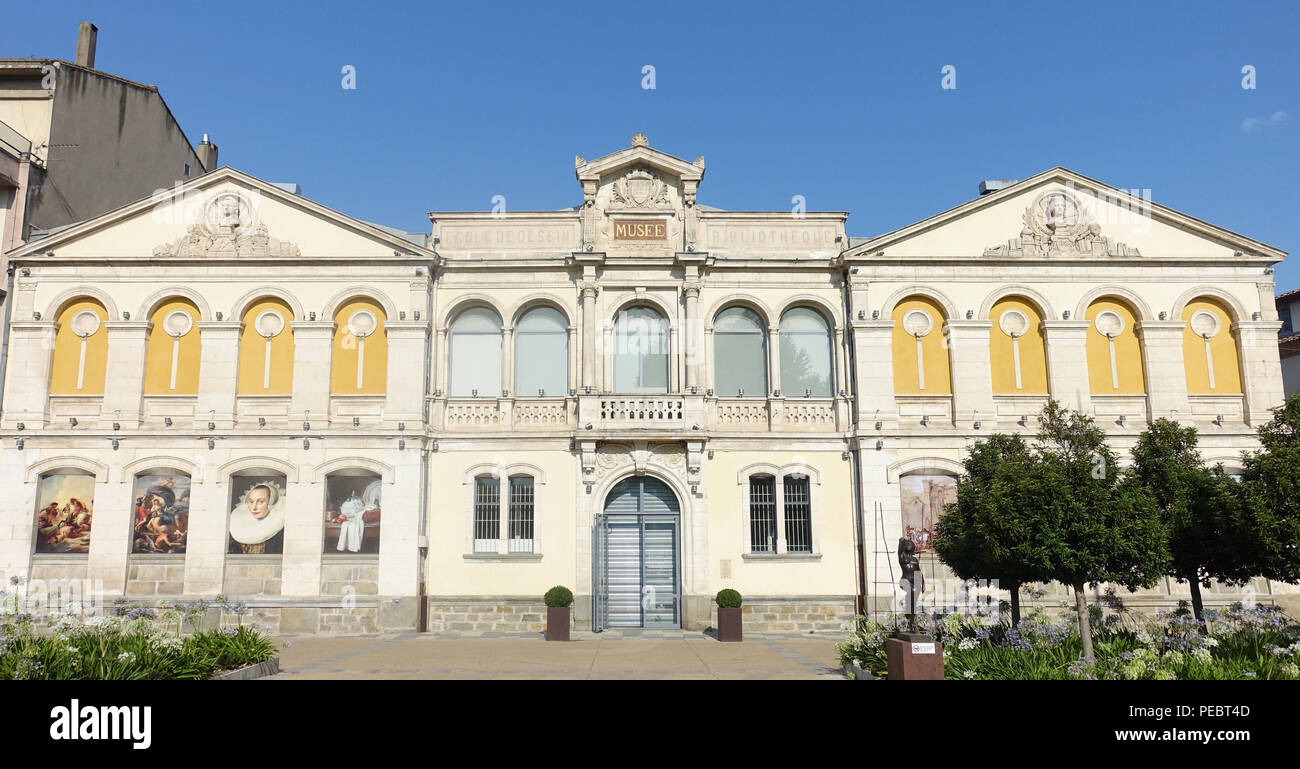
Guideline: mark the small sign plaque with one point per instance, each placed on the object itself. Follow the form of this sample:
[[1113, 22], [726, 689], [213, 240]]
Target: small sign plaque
[[925, 648], [627, 229]]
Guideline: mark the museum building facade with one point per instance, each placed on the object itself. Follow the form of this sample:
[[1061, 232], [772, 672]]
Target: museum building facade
[[229, 389]]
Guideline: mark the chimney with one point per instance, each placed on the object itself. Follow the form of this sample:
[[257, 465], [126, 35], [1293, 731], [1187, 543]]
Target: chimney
[[993, 185], [207, 152], [86, 44]]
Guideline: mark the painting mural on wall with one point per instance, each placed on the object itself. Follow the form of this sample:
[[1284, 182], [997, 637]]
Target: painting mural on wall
[[352, 513], [923, 498], [257, 514], [64, 504], [161, 510]]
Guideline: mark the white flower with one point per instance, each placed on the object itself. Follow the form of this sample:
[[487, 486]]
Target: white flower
[[126, 657], [966, 644], [73, 650], [1211, 642], [1202, 655], [1291, 669], [969, 674]]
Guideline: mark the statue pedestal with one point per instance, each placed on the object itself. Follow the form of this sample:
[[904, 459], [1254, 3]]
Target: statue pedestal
[[914, 657]]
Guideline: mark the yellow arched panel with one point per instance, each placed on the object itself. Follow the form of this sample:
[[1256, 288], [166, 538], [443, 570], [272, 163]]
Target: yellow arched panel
[[348, 348], [67, 351], [163, 347], [1028, 327], [1223, 351], [254, 376], [934, 351], [1128, 352]]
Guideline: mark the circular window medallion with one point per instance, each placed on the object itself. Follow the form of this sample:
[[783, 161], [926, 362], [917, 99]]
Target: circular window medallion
[[1013, 323], [917, 322], [269, 323], [363, 323], [85, 323], [1204, 323], [1109, 323], [178, 323]]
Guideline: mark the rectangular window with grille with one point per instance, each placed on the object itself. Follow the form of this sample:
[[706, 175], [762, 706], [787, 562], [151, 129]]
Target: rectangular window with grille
[[798, 515], [521, 514], [762, 514], [487, 514]]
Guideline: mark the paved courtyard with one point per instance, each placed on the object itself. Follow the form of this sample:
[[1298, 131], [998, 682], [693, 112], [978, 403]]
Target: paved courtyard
[[629, 654]]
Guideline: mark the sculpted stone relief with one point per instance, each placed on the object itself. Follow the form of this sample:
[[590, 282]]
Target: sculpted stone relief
[[1056, 225], [229, 227]]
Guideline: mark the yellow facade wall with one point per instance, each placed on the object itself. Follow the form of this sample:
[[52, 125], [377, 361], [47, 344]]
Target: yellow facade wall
[[1128, 352], [343, 378], [1223, 351], [252, 351], [934, 351], [1033, 350], [67, 352], [728, 521], [450, 506], [158, 367]]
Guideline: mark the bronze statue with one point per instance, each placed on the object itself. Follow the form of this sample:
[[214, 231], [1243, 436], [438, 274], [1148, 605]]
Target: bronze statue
[[912, 581]]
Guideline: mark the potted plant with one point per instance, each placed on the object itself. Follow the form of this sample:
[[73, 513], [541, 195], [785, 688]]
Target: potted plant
[[558, 600], [729, 622]]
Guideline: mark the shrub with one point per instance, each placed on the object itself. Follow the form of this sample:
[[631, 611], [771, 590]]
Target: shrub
[[728, 599], [558, 597]]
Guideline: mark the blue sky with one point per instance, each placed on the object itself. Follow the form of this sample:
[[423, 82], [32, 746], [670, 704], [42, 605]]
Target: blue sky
[[841, 103]]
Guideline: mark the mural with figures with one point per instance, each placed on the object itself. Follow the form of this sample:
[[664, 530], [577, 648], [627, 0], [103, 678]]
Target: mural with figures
[[161, 510], [64, 504], [923, 499], [257, 514]]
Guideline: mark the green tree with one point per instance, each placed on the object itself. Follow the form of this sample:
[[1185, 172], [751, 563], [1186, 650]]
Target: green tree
[[1093, 523], [988, 532], [1267, 516], [1197, 506]]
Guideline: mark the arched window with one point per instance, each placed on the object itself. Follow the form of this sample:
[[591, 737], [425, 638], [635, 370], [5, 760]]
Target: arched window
[[779, 508], [65, 504], [505, 502], [1114, 352], [266, 349], [542, 353], [1017, 354], [360, 349], [640, 351], [174, 349], [920, 355], [806, 353], [739, 353], [1209, 349], [80, 349], [352, 512], [475, 354]]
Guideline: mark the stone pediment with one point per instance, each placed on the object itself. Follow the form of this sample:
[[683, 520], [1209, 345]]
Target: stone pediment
[[1056, 225], [229, 227]]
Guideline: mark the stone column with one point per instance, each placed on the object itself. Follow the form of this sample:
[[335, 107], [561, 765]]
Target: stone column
[[589, 313], [1067, 362], [399, 545], [1261, 369], [205, 545], [218, 373], [110, 541], [404, 401], [1166, 374], [128, 344], [313, 342], [508, 361], [304, 526], [572, 378], [693, 343], [27, 385], [972, 374], [873, 342]]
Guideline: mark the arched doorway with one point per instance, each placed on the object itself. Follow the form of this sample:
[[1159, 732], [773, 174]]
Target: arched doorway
[[635, 565]]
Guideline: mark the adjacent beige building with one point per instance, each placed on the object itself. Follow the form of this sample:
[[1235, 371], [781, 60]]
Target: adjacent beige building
[[642, 397]]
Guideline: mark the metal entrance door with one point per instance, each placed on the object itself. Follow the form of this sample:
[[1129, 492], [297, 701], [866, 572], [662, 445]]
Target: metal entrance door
[[636, 575]]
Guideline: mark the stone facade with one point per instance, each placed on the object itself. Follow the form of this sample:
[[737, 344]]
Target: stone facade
[[756, 384]]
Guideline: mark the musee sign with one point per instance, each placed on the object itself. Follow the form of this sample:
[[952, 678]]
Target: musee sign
[[640, 230]]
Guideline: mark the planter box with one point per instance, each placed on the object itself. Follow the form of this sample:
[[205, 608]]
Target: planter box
[[260, 670], [557, 623], [729, 624]]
